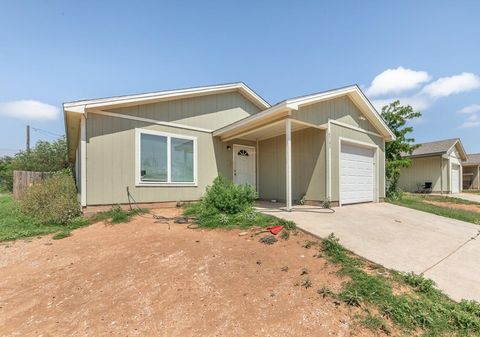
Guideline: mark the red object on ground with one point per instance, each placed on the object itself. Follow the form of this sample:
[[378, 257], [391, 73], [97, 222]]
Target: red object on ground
[[275, 229]]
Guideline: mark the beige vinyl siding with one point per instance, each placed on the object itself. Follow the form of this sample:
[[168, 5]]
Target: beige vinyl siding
[[308, 166], [208, 112], [445, 176], [422, 170], [111, 162], [338, 132], [340, 109]]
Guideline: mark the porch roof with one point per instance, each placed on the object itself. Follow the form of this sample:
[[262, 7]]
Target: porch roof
[[284, 108]]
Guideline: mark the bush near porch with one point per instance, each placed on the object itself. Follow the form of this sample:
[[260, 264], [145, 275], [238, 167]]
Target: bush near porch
[[228, 205]]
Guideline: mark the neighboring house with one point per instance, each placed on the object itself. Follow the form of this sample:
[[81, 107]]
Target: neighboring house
[[168, 146], [471, 172], [438, 163]]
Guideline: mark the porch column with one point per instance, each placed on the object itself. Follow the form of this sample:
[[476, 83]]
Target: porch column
[[288, 157]]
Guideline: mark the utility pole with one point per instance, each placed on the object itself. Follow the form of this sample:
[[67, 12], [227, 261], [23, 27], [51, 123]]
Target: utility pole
[[28, 138]]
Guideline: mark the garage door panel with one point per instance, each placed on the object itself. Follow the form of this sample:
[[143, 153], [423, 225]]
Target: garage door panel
[[356, 174]]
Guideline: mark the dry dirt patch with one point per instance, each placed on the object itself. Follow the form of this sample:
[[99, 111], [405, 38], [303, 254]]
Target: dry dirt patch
[[465, 207], [141, 279]]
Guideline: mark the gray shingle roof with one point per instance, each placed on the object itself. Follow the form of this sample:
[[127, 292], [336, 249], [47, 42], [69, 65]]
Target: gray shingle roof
[[472, 159], [441, 146]]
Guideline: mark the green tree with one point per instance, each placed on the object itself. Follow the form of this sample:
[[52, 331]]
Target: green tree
[[44, 157], [397, 116], [5, 174]]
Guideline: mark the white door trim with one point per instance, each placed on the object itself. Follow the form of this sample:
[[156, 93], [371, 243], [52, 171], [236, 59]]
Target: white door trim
[[252, 148], [374, 147]]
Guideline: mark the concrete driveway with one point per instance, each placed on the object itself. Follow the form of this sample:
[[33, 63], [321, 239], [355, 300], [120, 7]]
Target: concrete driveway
[[402, 239]]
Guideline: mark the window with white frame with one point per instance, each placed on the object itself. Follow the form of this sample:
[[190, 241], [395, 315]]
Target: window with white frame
[[165, 158]]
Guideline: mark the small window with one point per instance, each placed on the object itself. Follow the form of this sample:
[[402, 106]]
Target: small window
[[182, 160], [165, 158], [243, 153], [153, 158]]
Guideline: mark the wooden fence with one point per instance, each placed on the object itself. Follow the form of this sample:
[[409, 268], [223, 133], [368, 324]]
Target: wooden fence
[[24, 179]]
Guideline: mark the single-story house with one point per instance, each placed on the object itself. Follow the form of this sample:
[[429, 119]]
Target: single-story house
[[170, 145], [471, 172], [437, 163]]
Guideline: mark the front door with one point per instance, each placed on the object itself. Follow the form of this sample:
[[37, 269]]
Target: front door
[[455, 178], [244, 165]]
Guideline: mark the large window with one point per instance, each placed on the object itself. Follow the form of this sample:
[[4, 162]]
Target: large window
[[164, 158]]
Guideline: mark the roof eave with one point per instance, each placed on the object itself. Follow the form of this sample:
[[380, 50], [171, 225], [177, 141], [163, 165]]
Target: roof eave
[[118, 101]]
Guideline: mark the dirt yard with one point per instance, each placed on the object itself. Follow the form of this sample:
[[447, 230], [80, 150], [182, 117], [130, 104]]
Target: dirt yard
[[141, 279], [464, 207]]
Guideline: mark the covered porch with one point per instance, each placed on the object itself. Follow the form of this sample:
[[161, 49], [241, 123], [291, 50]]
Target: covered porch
[[471, 177], [280, 169]]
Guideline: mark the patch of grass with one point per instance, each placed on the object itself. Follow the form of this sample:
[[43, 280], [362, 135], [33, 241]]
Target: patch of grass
[[420, 202], [118, 215], [374, 323], [285, 235], [472, 191], [425, 308], [420, 283], [288, 225], [211, 218], [61, 235], [15, 225]]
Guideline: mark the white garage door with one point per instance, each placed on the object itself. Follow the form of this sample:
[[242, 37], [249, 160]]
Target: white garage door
[[455, 179], [357, 178]]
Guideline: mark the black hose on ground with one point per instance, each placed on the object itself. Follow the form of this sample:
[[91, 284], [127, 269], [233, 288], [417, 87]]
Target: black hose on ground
[[158, 218]]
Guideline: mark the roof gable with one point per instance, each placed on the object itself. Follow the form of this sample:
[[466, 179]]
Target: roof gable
[[161, 96], [439, 147], [353, 92]]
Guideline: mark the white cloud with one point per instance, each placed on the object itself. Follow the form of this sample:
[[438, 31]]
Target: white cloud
[[474, 108], [446, 86], [471, 122], [29, 109], [395, 81]]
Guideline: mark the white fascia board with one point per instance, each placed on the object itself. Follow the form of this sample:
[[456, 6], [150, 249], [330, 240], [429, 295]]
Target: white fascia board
[[295, 103], [74, 108], [96, 104]]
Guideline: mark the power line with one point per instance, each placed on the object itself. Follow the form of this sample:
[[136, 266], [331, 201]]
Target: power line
[[46, 132]]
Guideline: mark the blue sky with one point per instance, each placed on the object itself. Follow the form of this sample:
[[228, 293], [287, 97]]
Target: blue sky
[[424, 52]]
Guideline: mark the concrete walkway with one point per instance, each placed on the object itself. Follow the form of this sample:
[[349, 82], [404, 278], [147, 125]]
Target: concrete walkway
[[466, 196], [400, 238]]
